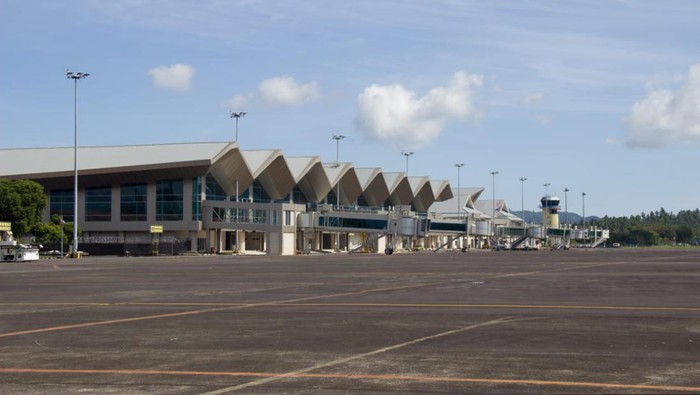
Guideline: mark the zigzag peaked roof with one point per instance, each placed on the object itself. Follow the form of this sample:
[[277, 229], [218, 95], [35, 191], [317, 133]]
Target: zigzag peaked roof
[[233, 168], [310, 177], [442, 190], [422, 192], [343, 173], [399, 188], [270, 168], [299, 166], [487, 207], [375, 190], [473, 193]]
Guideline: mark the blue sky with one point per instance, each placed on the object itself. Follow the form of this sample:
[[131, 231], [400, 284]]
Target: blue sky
[[597, 96]]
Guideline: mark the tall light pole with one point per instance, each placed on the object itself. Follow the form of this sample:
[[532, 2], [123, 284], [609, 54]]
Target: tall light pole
[[546, 189], [566, 205], [493, 210], [337, 138], [583, 202], [459, 205], [522, 198], [75, 77], [62, 223], [406, 154], [237, 115]]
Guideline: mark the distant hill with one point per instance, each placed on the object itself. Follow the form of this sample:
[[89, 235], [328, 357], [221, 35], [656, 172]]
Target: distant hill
[[535, 217]]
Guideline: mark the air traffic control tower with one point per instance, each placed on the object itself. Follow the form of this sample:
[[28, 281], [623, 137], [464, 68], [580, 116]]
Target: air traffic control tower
[[550, 211]]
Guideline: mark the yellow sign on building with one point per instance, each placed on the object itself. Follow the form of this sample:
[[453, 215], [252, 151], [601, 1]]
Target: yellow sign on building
[[6, 226], [156, 228]]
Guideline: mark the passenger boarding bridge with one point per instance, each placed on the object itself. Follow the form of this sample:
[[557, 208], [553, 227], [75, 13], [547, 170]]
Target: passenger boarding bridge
[[365, 229], [284, 228]]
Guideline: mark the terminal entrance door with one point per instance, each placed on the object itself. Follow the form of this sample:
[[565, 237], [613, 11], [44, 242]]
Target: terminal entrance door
[[255, 241], [230, 241]]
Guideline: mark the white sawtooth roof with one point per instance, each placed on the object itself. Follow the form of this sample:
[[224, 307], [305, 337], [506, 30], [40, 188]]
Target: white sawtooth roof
[[234, 169], [441, 190], [467, 198], [423, 195], [399, 188], [299, 166], [343, 173], [374, 187]]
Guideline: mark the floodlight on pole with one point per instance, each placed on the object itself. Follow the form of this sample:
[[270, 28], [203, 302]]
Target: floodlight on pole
[[75, 77], [237, 115], [493, 209], [566, 205], [406, 154], [337, 138], [546, 189], [459, 205], [583, 202], [522, 198]]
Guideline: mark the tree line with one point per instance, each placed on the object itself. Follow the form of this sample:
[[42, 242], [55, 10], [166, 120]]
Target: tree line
[[654, 228]]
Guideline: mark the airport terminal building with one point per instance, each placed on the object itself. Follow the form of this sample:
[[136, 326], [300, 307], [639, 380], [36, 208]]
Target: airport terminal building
[[216, 197]]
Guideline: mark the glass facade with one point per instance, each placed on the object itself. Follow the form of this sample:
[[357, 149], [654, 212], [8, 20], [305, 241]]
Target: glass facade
[[259, 193], [169, 200], [298, 197], [361, 201], [213, 191], [196, 199], [98, 204], [360, 223], [241, 215], [61, 204], [133, 202]]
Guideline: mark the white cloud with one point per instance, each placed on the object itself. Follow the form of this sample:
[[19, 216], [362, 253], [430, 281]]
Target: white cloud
[[394, 113], [667, 116], [287, 92], [177, 77], [237, 102]]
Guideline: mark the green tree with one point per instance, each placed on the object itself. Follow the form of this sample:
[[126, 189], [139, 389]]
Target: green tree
[[46, 232], [51, 232], [643, 237], [684, 234], [21, 202]]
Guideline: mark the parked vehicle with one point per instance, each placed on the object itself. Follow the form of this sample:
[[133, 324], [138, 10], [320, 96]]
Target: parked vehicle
[[12, 251]]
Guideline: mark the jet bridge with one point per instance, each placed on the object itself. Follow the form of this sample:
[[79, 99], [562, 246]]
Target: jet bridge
[[560, 238], [360, 228]]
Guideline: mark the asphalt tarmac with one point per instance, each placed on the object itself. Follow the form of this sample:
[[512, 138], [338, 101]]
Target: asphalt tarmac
[[573, 322]]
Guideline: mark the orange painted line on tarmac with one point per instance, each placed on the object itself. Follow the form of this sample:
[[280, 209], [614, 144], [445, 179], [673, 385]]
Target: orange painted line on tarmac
[[408, 305], [96, 323], [385, 377], [498, 306], [57, 304], [202, 311]]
